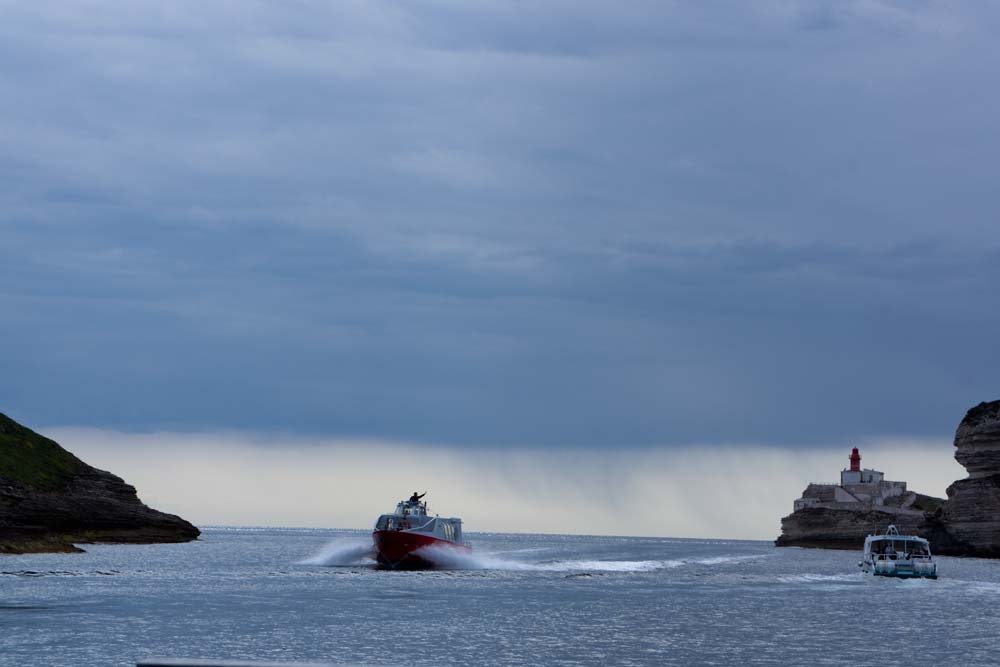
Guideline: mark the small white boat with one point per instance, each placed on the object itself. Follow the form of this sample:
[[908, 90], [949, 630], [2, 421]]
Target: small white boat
[[895, 555]]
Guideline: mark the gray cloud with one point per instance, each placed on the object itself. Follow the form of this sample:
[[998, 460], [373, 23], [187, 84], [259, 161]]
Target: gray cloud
[[556, 225]]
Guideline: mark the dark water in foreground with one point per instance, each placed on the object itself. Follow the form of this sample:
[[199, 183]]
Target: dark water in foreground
[[522, 600]]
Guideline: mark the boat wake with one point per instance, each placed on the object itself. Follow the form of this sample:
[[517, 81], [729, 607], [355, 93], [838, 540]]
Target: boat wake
[[820, 578], [454, 559], [342, 553], [720, 560]]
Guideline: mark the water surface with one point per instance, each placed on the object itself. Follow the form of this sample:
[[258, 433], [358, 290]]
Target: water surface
[[284, 594]]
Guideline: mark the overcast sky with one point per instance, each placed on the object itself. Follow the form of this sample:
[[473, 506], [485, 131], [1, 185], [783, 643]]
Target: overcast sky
[[716, 492], [549, 225]]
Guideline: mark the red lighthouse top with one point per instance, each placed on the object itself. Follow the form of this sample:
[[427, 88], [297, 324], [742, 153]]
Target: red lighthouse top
[[855, 460]]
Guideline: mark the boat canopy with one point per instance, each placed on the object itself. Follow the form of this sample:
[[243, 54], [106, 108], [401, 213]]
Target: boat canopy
[[897, 538], [894, 543], [895, 555], [904, 546]]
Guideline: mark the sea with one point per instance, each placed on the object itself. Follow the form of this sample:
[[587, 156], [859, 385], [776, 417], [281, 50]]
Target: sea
[[314, 595]]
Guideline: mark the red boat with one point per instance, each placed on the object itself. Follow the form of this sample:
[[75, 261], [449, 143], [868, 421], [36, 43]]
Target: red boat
[[403, 538]]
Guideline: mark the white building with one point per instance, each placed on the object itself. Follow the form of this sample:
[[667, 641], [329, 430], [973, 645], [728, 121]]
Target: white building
[[866, 476], [859, 489]]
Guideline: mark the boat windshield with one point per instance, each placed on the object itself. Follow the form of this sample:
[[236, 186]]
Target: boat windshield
[[898, 547], [411, 508]]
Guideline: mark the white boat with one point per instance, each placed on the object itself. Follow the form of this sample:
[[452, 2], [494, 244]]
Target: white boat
[[895, 555]]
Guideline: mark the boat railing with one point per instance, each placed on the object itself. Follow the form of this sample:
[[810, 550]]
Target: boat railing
[[901, 557], [886, 557]]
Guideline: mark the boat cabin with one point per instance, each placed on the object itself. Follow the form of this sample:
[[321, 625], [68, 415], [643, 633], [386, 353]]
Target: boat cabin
[[411, 508], [898, 555], [411, 516], [899, 548]]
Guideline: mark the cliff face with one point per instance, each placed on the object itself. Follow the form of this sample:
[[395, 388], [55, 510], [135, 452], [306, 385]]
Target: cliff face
[[49, 500], [824, 528], [843, 528], [969, 521], [977, 440]]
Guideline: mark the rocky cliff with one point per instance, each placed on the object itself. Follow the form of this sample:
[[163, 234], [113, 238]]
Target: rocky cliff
[[966, 524], [826, 528], [50, 500], [969, 521]]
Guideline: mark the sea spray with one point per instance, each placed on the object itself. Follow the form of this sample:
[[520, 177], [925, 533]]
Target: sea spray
[[341, 552], [448, 558], [346, 552]]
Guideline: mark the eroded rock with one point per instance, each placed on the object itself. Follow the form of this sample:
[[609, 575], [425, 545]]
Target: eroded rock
[[968, 523], [49, 500], [977, 440]]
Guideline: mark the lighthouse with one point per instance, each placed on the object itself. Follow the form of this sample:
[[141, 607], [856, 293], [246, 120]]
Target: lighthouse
[[856, 474], [855, 460], [859, 488]]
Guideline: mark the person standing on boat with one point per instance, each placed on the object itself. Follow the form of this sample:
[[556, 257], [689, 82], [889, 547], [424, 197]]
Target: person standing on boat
[[416, 498]]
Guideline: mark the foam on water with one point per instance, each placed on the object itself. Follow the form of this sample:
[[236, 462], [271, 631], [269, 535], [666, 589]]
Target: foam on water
[[343, 552], [818, 578], [455, 559], [340, 553], [719, 560], [611, 565]]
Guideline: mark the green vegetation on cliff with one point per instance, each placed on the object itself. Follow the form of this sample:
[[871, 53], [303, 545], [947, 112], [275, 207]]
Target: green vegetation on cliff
[[926, 503], [50, 500], [33, 459]]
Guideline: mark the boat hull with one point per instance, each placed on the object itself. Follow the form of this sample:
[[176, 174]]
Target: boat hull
[[400, 549], [905, 575], [901, 569]]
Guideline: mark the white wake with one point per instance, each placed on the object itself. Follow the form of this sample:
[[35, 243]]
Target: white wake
[[456, 559], [341, 552]]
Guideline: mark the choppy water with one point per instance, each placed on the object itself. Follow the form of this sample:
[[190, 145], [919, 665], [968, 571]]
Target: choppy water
[[269, 594]]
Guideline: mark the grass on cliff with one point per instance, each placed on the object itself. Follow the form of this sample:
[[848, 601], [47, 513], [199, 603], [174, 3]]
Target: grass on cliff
[[926, 503], [33, 459]]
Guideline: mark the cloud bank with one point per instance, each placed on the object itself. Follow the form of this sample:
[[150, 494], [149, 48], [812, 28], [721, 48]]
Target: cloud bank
[[694, 491]]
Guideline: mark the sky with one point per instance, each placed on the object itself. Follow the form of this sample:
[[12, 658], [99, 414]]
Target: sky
[[731, 492], [491, 227]]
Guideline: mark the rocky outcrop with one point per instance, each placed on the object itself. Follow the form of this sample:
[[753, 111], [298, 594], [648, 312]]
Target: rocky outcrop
[[50, 500], [968, 523], [977, 441], [829, 528]]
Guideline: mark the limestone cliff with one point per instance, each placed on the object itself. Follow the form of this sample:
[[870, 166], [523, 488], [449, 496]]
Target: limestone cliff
[[969, 521], [843, 528], [50, 500], [824, 528]]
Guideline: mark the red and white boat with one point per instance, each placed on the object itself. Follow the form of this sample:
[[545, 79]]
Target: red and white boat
[[402, 538]]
